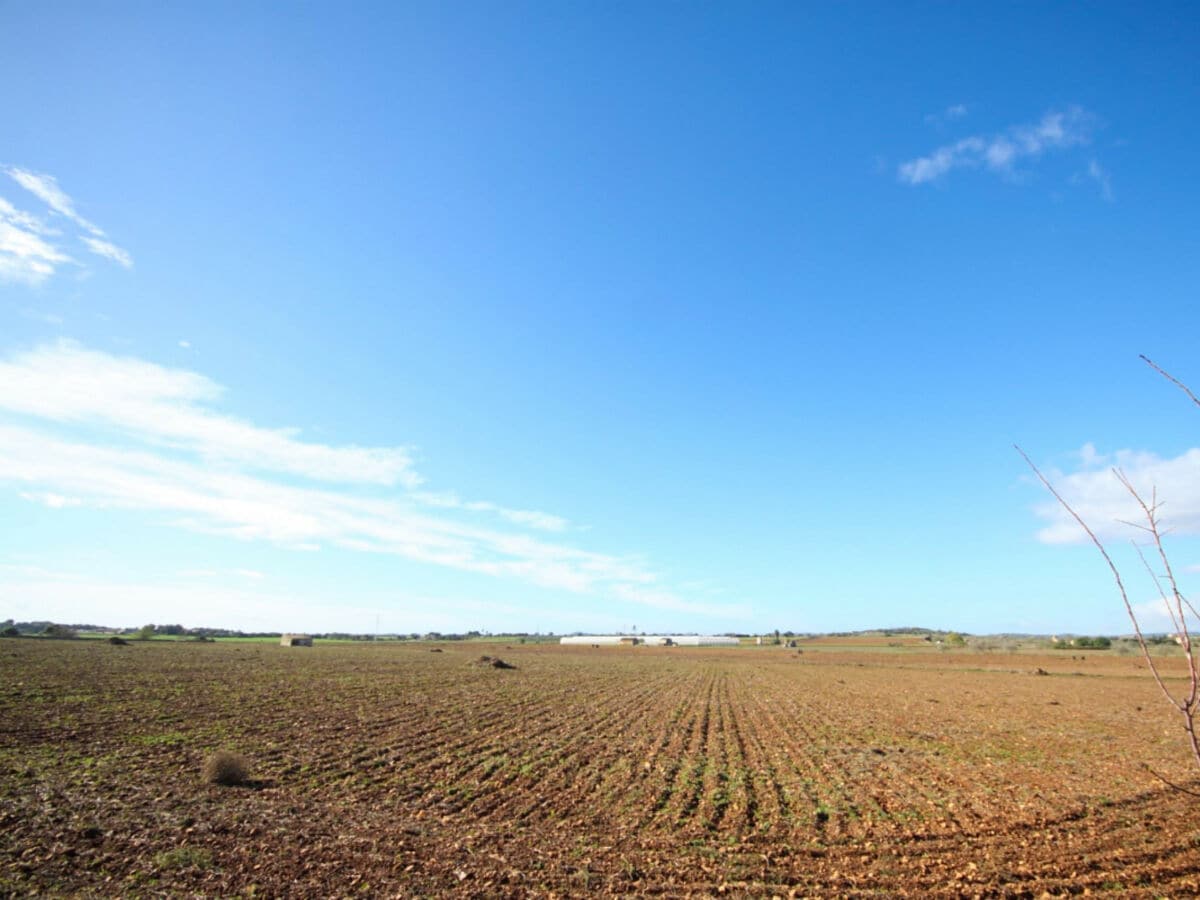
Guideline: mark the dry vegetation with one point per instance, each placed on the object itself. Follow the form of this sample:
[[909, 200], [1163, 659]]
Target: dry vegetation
[[226, 769], [850, 769]]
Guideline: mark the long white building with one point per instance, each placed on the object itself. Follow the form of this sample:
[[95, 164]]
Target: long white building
[[653, 640]]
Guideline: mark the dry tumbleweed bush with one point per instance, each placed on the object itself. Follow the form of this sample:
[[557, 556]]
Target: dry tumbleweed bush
[[225, 768]]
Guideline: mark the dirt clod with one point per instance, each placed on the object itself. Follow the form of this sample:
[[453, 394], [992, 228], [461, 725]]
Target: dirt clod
[[493, 662]]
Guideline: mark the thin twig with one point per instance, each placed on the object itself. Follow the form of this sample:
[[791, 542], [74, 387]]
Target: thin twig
[[1188, 704], [1171, 378], [1157, 584]]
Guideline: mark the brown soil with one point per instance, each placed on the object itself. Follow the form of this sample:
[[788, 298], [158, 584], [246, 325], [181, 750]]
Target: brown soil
[[384, 770]]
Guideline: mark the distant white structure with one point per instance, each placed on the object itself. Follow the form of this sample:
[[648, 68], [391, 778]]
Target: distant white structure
[[295, 640], [653, 640]]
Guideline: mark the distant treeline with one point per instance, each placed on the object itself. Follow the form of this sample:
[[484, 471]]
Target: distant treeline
[[9, 628], [45, 628]]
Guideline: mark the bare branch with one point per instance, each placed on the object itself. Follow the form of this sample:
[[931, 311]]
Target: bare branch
[[1116, 573], [1157, 585], [1171, 378], [1185, 639], [1171, 784], [1177, 604]]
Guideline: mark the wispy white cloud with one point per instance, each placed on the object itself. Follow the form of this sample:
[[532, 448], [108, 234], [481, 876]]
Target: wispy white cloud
[[1099, 175], [46, 189], [46, 318], [143, 437], [949, 114], [26, 252], [252, 574], [1000, 153], [29, 249], [528, 517], [109, 251], [54, 501], [64, 382], [1106, 505]]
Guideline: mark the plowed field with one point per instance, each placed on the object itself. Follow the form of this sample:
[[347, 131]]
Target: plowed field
[[385, 769]]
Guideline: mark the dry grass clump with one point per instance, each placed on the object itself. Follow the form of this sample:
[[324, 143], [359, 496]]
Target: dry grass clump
[[226, 768]]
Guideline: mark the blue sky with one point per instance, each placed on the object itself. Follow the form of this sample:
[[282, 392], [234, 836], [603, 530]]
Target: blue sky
[[694, 317]]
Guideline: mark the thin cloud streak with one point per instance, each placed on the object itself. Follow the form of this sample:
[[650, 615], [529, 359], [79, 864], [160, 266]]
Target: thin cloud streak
[[142, 437], [109, 251], [1098, 174], [27, 251], [66, 383], [46, 189], [1000, 153], [949, 114], [527, 517], [65, 473]]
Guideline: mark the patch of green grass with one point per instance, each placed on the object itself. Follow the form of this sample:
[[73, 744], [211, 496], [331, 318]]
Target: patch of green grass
[[184, 858], [167, 738]]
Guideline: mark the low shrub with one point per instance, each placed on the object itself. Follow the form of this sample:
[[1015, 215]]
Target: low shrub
[[225, 768]]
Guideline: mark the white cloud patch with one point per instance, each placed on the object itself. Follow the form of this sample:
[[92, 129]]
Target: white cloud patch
[[31, 250], [1102, 501], [1157, 616], [122, 433], [1001, 153]]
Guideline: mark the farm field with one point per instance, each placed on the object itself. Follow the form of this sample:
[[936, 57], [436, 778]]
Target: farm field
[[387, 769]]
